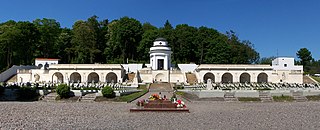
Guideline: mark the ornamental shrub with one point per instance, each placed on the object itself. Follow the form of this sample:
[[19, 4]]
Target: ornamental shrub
[[108, 92], [63, 90]]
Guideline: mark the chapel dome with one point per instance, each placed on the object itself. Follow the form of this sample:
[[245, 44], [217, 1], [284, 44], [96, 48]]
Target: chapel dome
[[160, 42]]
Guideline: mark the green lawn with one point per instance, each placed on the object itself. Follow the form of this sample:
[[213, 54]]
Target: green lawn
[[142, 87], [316, 78], [248, 99], [313, 98], [179, 93], [131, 97], [282, 98]]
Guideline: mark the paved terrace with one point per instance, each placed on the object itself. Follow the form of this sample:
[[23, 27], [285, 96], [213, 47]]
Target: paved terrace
[[203, 115]]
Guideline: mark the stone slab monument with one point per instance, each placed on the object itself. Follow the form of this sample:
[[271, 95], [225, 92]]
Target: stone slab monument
[[209, 84]]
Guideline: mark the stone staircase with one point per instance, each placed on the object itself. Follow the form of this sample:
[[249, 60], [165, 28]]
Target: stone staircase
[[191, 78], [298, 96], [160, 87], [51, 97], [229, 96], [131, 77], [88, 97], [265, 97]]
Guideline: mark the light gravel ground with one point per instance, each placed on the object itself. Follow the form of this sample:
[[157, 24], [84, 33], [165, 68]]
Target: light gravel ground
[[203, 115]]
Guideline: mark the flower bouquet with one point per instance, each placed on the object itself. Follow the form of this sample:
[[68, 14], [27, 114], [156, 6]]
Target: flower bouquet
[[154, 97], [180, 104], [140, 103]]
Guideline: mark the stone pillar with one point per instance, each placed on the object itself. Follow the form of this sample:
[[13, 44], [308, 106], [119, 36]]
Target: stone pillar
[[236, 78], [84, 78], [218, 78], [209, 84]]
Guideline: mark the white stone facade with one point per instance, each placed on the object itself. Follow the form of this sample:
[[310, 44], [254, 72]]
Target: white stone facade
[[282, 70], [42, 62]]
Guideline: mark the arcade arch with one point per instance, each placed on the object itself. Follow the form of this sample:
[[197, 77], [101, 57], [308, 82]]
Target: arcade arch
[[208, 76], [57, 77], [262, 78], [75, 77], [111, 78], [245, 78], [227, 78], [93, 77]]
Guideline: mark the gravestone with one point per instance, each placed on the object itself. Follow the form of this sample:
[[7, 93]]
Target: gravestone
[[209, 84]]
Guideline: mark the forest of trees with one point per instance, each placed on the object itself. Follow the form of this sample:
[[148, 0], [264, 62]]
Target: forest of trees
[[117, 41]]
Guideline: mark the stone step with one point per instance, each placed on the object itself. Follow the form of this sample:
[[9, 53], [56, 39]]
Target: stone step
[[265, 97], [50, 97], [229, 96], [300, 98], [231, 99], [88, 97]]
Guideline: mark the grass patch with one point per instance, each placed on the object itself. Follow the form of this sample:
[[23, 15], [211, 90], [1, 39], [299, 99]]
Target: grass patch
[[125, 98], [282, 98], [131, 97], [142, 87], [313, 98], [316, 78], [180, 93], [101, 99], [249, 99]]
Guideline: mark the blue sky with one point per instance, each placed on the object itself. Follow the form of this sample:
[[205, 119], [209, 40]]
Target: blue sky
[[282, 26]]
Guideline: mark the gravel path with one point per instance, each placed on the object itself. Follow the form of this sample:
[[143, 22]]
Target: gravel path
[[203, 115]]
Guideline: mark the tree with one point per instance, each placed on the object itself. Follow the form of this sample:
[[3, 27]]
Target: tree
[[206, 39], [119, 41], [84, 42], [150, 33], [49, 30], [305, 56], [266, 60], [63, 46], [27, 36], [125, 33], [184, 46], [8, 34], [100, 30], [167, 32]]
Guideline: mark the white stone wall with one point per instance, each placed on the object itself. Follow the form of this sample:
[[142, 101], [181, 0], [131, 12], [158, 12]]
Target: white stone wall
[[85, 73], [285, 63], [174, 78], [24, 77], [286, 76], [45, 61], [235, 75]]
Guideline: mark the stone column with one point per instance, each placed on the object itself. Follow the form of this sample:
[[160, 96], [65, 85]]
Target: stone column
[[209, 84]]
